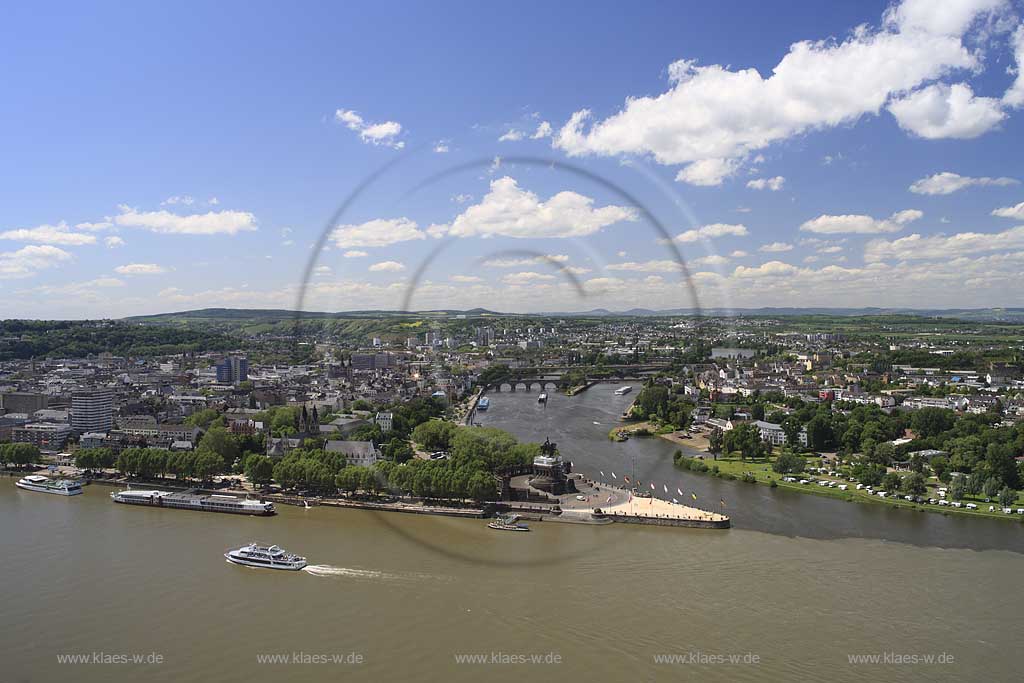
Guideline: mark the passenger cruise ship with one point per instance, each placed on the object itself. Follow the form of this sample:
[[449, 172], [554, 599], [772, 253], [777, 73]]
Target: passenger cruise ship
[[188, 500], [268, 557], [622, 391], [62, 487]]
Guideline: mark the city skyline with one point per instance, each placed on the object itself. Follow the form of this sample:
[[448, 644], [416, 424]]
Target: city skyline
[[854, 156]]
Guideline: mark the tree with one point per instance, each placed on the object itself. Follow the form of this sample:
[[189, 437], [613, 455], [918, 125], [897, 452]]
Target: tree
[[932, 421], [1000, 461], [789, 463], [745, 438], [791, 427], [220, 442], [914, 484], [757, 411], [869, 473], [715, 442], [990, 489], [957, 488], [1007, 496], [819, 433], [435, 435], [259, 469], [891, 481], [207, 463]]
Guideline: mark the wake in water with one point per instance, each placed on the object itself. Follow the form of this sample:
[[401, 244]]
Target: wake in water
[[369, 574]]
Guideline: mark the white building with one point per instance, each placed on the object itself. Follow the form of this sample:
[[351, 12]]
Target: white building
[[384, 421], [773, 433]]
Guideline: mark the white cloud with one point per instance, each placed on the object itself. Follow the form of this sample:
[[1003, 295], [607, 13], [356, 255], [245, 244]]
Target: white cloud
[[712, 117], [184, 199], [26, 261], [948, 183], [543, 131], [96, 226], [213, 201], [916, 247], [1015, 212], [462, 198], [387, 267], [323, 270], [947, 111], [59, 234], [512, 135], [526, 278], [383, 134], [711, 231], [520, 262], [465, 278], [1014, 96], [739, 253], [380, 232], [775, 247], [509, 211], [441, 147], [860, 224], [834, 249], [769, 269], [774, 184], [140, 269], [114, 241], [355, 253], [665, 266], [209, 223], [710, 260]]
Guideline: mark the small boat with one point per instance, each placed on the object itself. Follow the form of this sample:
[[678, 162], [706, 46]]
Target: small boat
[[622, 391], [508, 523], [267, 557], [61, 487], [543, 398], [483, 404]]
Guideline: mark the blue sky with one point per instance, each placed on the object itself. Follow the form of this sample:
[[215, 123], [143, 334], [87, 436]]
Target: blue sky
[[847, 154]]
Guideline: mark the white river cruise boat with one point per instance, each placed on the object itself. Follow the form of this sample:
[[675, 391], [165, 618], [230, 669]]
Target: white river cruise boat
[[62, 487], [188, 500], [622, 391], [268, 557]]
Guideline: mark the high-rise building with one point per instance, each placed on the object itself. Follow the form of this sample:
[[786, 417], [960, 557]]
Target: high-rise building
[[233, 370], [92, 410]]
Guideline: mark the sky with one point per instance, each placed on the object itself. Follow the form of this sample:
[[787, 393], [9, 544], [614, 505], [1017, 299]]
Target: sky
[[539, 157]]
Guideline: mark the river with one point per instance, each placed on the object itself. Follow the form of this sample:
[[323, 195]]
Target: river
[[797, 587]]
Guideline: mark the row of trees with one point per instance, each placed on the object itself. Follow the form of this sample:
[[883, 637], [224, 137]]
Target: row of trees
[[18, 454]]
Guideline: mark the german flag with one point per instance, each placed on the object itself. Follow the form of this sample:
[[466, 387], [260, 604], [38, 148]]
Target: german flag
[[694, 496], [722, 501]]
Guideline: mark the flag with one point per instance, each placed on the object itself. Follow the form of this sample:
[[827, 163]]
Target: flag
[[652, 487], [625, 478], [665, 487], [679, 491], [694, 496], [675, 501], [613, 476], [639, 483], [722, 501], [602, 473]]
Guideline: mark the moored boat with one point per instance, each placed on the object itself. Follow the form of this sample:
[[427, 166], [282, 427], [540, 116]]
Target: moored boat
[[543, 398], [483, 404], [622, 391], [41, 484], [267, 557], [508, 523], [188, 500]]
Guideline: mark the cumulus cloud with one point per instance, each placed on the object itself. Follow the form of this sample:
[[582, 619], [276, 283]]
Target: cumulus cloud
[[355, 253], [114, 241], [1014, 96], [769, 269], [383, 134], [187, 200], [947, 111], [712, 117], [209, 223], [520, 262], [860, 224], [465, 278], [1016, 212], [711, 231], [387, 267], [665, 266], [526, 278], [775, 247], [510, 211], [512, 135], [26, 261], [774, 184], [543, 131], [140, 269], [380, 232], [948, 183], [59, 234], [917, 247], [441, 147]]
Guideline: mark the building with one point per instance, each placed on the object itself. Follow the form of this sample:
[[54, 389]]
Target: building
[[46, 436], [92, 410], [384, 421], [357, 453], [233, 370], [22, 402], [773, 433]]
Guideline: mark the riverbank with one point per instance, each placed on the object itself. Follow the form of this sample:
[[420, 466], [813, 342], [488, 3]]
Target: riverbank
[[760, 472]]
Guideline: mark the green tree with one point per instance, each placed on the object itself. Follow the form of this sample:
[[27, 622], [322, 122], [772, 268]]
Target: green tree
[[789, 463], [957, 488], [208, 463], [792, 427], [1007, 496], [914, 484], [259, 469], [891, 481]]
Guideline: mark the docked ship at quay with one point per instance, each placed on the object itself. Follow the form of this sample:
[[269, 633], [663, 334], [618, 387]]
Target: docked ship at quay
[[190, 500]]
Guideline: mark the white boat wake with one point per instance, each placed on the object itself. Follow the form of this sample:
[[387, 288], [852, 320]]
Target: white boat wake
[[327, 570]]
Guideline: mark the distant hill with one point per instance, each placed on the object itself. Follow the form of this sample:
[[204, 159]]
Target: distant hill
[[1009, 315]]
